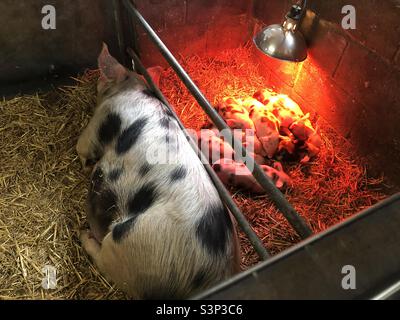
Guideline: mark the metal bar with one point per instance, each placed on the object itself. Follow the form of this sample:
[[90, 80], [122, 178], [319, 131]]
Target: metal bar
[[275, 194], [303, 5], [223, 192], [118, 27], [388, 292]]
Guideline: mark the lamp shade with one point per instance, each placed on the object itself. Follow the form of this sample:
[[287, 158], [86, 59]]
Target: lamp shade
[[278, 42]]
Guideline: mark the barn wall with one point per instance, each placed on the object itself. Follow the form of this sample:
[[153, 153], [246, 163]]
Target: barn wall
[[30, 53], [188, 27]]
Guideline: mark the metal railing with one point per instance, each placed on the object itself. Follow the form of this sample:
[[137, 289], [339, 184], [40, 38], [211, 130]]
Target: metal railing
[[281, 203], [222, 191]]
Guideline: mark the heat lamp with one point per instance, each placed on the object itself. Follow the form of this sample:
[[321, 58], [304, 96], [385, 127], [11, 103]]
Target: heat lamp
[[285, 41]]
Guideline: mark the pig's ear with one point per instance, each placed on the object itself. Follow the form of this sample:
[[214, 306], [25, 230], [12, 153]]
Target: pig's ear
[[155, 74], [110, 68]]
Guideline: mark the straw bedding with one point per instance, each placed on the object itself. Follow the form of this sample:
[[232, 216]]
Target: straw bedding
[[331, 188], [43, 189], [42, 196]]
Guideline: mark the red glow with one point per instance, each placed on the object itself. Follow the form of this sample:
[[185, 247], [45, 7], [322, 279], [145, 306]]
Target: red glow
[[240, 74], [328, 189], [279, 123], [305, 82]]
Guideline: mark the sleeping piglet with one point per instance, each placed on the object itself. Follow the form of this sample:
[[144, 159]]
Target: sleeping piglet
[[235, 116], [237, 174], [266, 124], [157, 230]]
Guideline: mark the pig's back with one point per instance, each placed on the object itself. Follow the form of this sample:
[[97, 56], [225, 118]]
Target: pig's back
[[154, 159]]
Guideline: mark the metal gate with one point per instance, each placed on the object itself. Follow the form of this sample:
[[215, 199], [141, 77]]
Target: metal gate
[[124, 22]]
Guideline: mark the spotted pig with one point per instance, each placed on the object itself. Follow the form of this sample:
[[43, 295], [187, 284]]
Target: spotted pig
[[157, 230]]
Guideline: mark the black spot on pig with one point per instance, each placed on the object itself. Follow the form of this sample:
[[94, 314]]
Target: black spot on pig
[[142, 199], [110, 128], [145, 169], [178, 173], [168, 119], [169, 113], [130, 135], [165, 122], [137, 204], [122, 228], [114, 174], [214, 229]]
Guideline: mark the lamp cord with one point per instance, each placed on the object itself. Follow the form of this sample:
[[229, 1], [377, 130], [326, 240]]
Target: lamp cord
[[303, 5]]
